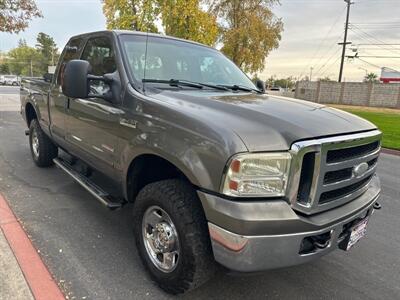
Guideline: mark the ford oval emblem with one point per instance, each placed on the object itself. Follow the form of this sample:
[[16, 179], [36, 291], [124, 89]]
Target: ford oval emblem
[[360, 169]]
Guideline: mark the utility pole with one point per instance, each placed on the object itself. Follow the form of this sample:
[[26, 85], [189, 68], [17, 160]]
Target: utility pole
[[345, 43], [311, 69]]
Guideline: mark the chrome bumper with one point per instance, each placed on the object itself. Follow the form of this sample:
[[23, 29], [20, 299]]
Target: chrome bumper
[[236, 248]]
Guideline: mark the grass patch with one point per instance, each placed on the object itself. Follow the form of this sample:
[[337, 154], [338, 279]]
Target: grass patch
[[386, 120]]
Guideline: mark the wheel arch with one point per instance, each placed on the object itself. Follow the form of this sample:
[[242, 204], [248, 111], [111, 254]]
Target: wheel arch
[[30, 113], [148, 167]]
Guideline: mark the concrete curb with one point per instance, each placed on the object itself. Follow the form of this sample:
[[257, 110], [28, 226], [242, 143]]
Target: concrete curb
[[38, 277], [391, 151]]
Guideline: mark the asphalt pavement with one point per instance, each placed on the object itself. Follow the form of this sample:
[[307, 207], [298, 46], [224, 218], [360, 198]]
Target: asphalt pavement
[[91, 252]]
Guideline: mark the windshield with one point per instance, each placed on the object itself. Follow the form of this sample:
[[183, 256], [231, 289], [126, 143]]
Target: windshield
[[179, 60]]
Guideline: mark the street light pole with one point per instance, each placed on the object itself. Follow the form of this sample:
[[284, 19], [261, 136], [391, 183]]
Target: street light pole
[[345, 43]]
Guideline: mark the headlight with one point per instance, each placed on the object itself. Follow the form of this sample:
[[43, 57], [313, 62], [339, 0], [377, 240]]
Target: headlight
[[257, 175]]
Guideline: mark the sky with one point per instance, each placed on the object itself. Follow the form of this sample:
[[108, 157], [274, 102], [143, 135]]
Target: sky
[[312, 29]]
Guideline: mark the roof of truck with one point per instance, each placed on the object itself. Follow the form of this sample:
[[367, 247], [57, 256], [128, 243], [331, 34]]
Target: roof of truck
[[133, 32]]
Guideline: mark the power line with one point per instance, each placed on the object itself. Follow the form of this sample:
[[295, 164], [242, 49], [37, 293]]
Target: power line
[[386, 44], [375, 56], [329, 54], [371, 36], [328, 60], [311, 61], [371, 64], [370, 39], [330, 66]]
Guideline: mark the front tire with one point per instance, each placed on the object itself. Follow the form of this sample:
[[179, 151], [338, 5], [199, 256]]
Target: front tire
[[43, 149], [172, 237]]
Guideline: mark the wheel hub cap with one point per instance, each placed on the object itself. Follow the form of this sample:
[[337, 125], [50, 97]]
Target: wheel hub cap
[[160, 239], [163, 237], [35, 143]]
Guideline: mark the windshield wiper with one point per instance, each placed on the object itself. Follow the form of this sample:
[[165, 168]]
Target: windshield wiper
[[236, 87], [218, 87], [173, 82], [179, 82]]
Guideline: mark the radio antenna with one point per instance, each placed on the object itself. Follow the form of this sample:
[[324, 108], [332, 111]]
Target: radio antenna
[[145, 62]]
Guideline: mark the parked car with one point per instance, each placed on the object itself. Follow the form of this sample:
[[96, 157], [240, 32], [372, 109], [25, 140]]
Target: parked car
[[9, 80], [219, 173], [276, 88]]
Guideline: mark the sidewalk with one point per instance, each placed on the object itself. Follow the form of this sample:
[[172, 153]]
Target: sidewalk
[[12, 282], [23, 274]]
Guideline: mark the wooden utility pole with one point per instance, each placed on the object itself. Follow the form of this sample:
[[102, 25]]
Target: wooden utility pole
[[345, 43]]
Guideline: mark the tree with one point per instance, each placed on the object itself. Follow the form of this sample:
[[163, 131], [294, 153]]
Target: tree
[[288, 82], [185, 19], [371, 78], [180, 18], [47, 47], [250, 31], [270, 82], [25, 60], [15, 14], [4, 68], [325, 79], [139, 15]]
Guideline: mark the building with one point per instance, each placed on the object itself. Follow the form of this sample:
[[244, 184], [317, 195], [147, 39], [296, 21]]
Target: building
[[389, 75]]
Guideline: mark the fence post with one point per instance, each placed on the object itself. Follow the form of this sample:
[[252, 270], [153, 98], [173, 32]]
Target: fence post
[[318, 92], [341, 92], [398, 99], [296, 91], [369, 93]]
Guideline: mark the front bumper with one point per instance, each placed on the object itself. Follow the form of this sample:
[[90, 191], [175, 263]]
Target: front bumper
[[250, 236]]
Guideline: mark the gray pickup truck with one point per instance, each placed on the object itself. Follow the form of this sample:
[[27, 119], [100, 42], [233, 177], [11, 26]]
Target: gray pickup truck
[[218, 172]]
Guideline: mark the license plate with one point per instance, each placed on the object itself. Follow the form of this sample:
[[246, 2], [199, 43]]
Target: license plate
[[357, 232]]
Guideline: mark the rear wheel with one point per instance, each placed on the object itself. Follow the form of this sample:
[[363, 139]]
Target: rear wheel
[[43, 149], [172, 236]]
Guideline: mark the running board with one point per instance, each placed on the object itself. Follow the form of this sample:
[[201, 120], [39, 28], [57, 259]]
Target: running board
[[102, 196]]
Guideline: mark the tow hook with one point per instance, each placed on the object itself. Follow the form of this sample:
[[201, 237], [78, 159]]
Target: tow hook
[[377, 206], [321, 245], [322, 241]]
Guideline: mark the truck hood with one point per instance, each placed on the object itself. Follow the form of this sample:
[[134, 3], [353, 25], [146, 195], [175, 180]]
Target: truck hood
[[262, 121]]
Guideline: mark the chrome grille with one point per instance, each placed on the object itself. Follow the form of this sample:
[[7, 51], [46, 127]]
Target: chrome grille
[[323, 173]]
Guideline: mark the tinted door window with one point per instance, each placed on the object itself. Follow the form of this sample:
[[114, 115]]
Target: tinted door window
[[72, 51], [100, 54]]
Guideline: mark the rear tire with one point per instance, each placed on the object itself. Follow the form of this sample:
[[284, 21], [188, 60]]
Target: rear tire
[[178, 201], [43, 149]]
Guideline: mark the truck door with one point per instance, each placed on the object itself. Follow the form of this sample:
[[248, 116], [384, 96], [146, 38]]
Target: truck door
[[57, 100], [93, 123]]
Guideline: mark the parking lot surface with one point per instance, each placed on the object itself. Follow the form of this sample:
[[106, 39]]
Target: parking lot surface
[[91, 252]]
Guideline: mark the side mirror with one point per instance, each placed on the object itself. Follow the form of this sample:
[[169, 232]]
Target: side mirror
[[75, 79], [260, 85]]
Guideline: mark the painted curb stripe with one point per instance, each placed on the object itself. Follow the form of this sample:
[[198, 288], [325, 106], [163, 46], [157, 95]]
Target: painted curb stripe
[[38, 277]]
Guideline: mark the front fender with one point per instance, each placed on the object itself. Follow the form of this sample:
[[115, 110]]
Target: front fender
[[201, 160], [197, 146]]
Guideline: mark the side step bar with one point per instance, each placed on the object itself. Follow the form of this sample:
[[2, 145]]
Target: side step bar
[[102, 196]]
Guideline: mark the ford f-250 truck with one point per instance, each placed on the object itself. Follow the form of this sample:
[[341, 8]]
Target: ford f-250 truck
[[219, 173]]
